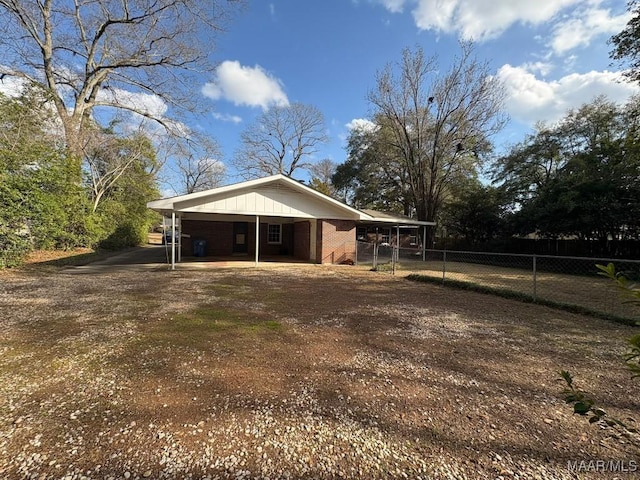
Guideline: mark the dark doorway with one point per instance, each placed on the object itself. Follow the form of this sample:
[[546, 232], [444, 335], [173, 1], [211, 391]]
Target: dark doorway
[[240, 237]]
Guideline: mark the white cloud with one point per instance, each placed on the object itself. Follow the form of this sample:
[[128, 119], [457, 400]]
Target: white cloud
[[12, 86], [581, 27], [394, 6], [531, 99], [543, 68], [226, 117], [144, 103], [484, 19], [361, 124], [251, 86]]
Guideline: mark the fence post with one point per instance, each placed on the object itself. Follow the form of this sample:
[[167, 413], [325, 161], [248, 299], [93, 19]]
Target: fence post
[[393, 260], [444, 265], [375, 257], [356, 260], [535, 283]]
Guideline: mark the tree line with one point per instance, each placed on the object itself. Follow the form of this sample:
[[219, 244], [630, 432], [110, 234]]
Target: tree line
[[427, 152], [576, 179], [49, 203], [84, 144]]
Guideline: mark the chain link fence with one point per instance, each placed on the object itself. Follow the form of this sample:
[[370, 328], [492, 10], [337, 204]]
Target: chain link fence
[[570, 281]]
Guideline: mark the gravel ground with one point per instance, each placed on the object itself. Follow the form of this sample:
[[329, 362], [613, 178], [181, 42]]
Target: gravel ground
[[299, 372]]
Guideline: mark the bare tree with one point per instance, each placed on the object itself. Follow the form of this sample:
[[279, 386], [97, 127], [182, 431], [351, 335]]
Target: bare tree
[[199, 169], [281, 140], [440, 123], [134, 55], [108, 157], [321, 173]]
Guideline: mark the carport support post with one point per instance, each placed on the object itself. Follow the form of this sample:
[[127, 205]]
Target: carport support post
[[257, 238], [173, 240]]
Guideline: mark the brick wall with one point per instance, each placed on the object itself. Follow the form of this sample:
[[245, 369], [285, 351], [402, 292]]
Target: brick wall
[[285, 248], [301, 240], [219, 236], [336, 241]]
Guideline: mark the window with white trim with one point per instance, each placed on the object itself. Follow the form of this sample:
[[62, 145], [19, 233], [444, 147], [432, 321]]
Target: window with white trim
[[385, 235], [274, 233], [361, 233], [413, 239]]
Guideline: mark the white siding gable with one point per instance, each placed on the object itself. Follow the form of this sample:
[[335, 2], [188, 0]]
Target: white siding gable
[[271, 200]]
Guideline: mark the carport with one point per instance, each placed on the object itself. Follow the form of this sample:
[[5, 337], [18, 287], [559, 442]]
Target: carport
[[274, 215], [271, 216]]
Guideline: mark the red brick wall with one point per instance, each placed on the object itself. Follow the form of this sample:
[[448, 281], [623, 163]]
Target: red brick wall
[[219, 236], [336, 241], [301, 240], [286, 248]]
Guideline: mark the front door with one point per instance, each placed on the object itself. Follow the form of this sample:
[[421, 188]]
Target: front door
[[240, 234]]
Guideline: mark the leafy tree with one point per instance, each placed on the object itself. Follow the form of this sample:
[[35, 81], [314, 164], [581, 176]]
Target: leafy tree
[[529, 166], [123, 218], [40, 204], [282, 140], [626, 44], [476, 213], [580, 178], [439, 123], [372, 177]]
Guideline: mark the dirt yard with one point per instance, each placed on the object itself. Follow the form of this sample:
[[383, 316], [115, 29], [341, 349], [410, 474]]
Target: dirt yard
[[298, 372]]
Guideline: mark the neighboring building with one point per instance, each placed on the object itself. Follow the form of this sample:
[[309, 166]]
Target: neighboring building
[[275, 216]]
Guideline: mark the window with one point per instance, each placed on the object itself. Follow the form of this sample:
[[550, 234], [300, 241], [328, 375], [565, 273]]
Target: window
[[385, 236], [274, 233], [361, 233], [413, 239]]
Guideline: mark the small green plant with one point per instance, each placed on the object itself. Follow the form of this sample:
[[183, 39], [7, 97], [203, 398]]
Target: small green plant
[[631, 291], [583, 402]]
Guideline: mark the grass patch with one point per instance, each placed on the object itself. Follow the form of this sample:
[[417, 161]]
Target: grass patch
[[211, 319], [207, 324], [523, 297]]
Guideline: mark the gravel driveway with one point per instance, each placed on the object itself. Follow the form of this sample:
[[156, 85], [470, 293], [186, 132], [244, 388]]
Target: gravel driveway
[[306, 372]]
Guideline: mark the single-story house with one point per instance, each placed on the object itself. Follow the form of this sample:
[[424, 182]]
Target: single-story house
[[274, 216]]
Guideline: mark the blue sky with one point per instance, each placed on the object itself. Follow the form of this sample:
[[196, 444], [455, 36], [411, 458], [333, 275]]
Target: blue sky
[[552, 55]]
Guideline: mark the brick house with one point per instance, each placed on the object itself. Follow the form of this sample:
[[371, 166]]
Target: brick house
[[274, 216]]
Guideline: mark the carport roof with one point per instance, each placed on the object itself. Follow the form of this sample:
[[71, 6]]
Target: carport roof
[[396, 219], [276, 195]]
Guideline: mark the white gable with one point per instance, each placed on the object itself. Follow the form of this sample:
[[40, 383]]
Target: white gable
[[272, 196], [270, 200]]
